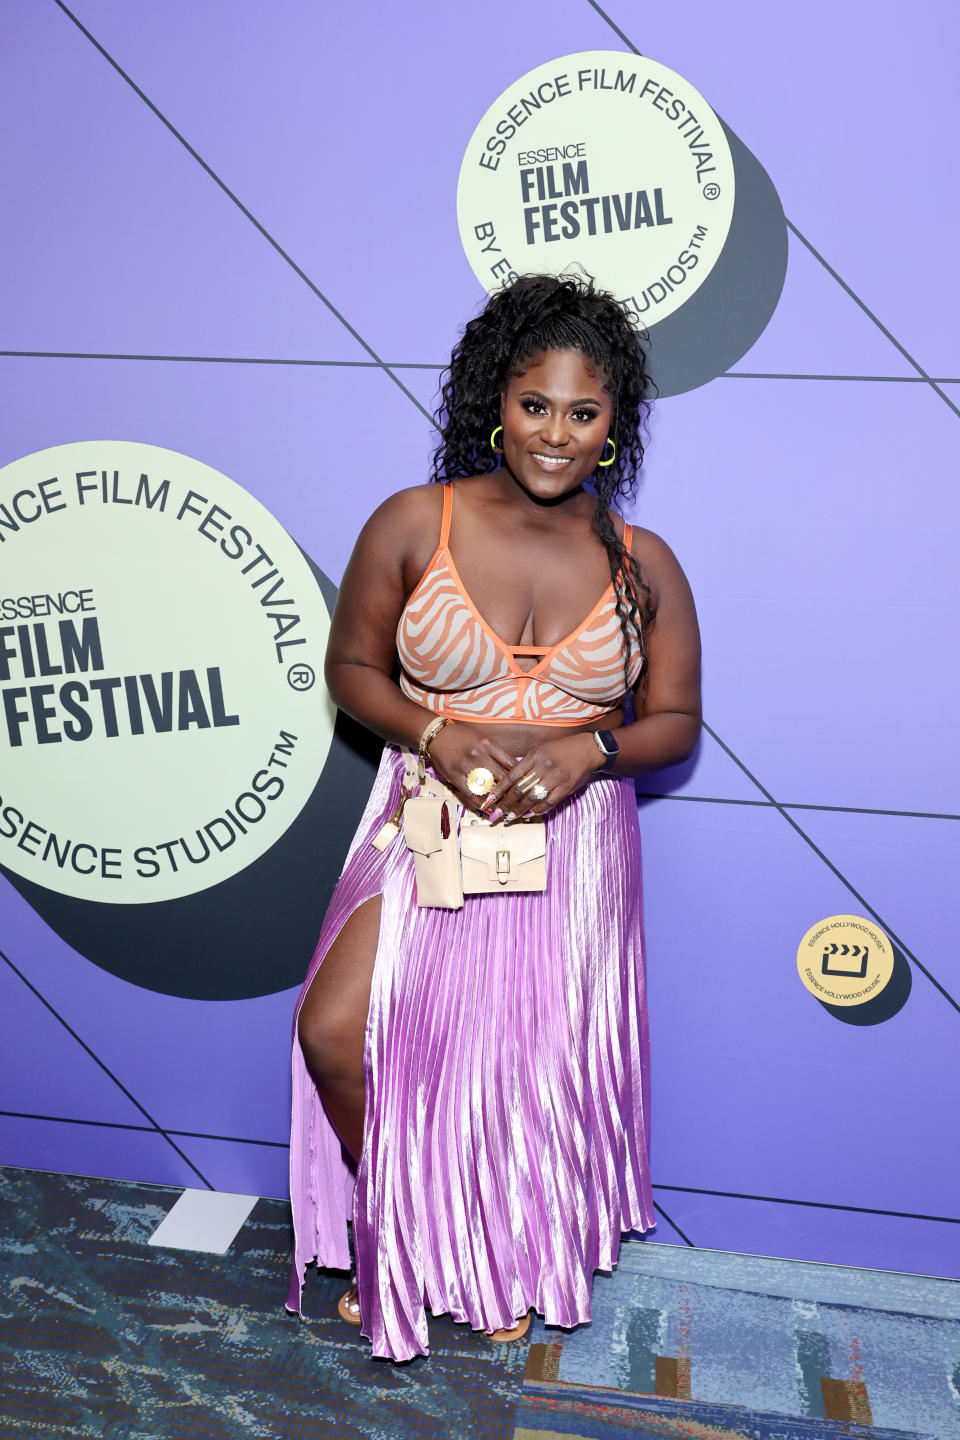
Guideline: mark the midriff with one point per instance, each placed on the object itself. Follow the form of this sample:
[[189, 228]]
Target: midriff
[[519, 739]]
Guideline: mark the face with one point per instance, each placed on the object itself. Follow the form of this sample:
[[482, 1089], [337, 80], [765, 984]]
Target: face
[[556, 416]]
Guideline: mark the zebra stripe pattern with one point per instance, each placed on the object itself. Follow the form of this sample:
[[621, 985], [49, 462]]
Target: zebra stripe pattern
[[453, 664]]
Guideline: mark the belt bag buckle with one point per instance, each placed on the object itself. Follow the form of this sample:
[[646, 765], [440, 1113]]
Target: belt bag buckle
[[499, 858]]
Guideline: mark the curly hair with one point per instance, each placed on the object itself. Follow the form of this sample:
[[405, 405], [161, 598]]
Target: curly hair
[[537, 313]]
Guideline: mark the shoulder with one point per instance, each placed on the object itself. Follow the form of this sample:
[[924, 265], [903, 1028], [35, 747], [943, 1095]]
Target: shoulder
[[418, 504], [402, 533], [410, 516], [659, 565], [649, 547]]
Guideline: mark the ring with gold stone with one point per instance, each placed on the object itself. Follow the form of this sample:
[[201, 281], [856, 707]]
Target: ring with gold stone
[[528, 782], [481, 781]]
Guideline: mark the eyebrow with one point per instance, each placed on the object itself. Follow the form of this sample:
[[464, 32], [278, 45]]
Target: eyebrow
[[539, 395]]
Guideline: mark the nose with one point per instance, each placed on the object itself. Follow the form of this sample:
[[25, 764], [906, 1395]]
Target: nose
[[554, 430]]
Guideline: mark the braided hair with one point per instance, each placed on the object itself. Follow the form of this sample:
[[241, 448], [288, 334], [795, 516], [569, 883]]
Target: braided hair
[[534, 314]]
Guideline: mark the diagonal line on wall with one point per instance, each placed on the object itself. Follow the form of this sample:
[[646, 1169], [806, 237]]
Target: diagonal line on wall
[[227, 360], [144, 1129], [676, 1189], [72, 1120], [231, 1139], [810, 1204], [807, 375], [437, 365], [934, 386], [270, 239], [861, 900], [870, 810], [615, 28], [848, 290], [795, 805], [921, 373], [685, 1238], [157, 1129]]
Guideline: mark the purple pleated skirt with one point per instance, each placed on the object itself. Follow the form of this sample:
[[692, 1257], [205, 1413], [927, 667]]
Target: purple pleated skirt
[[507, 1085]]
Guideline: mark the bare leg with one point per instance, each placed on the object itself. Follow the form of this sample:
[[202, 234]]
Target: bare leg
[[331, 1027], [333, 1020]]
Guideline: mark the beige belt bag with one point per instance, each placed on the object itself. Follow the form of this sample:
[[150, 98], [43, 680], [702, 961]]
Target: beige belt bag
[[496, 858], [488, 860]]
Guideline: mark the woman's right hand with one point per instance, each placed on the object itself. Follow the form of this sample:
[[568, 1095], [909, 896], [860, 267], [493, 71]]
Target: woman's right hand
[[461, 747]]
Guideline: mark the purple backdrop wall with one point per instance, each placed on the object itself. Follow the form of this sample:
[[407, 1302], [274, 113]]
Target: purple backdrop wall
[[809, 493]]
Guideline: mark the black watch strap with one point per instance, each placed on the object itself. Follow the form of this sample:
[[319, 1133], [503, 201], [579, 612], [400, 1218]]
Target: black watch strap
[[606, 741]]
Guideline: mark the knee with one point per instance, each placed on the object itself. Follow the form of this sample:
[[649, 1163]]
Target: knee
[[331, 1045]]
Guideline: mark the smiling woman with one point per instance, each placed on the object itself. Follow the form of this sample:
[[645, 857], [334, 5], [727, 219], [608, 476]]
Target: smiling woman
[[471, 1083]]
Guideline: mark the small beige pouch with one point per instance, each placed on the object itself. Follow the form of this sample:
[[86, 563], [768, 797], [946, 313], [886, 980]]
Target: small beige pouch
[[430, 830], [495, 858]]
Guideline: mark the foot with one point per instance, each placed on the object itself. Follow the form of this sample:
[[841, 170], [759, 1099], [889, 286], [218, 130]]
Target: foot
[[348, 1307], [516, 1332]]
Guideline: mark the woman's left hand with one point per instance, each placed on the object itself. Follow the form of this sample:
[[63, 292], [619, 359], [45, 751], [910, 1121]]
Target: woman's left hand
[[561, 766]]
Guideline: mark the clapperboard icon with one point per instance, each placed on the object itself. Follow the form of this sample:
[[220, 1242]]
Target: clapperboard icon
[[850, 960]]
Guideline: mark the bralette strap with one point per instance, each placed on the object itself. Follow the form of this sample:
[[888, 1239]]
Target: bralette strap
[[447, 512]]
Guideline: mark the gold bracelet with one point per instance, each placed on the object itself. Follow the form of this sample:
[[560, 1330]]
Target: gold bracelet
[[426, 740]]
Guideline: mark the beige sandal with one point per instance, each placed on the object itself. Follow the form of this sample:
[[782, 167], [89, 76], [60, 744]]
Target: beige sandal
[[348, 1306], [516, 1332]]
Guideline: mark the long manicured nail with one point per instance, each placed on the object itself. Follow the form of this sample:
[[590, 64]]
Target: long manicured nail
[[494, 815]]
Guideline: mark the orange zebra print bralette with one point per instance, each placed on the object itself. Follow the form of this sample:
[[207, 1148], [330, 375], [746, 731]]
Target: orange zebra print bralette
[[454, 664]]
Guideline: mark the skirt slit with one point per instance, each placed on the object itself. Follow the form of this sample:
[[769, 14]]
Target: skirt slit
[[505, 1063]]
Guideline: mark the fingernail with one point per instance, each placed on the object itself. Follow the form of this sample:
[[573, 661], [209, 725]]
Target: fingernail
[[494, 816]]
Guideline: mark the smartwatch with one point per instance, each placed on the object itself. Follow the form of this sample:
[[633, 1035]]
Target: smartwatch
[[607, 746]]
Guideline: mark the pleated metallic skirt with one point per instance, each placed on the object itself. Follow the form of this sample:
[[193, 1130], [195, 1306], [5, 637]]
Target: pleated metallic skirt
[[507, 1093]]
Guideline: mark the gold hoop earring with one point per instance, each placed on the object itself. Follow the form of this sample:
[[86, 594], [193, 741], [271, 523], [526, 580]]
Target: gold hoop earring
[[613, 457], [493, 446]]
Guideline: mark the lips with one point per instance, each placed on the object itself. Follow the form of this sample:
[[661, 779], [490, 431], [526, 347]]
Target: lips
[[551, 463]]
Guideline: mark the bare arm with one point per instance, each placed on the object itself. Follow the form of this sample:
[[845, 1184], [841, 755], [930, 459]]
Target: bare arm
[[362, 648], [391, 553], [667, 708]]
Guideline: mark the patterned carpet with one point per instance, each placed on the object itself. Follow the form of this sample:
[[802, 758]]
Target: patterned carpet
[[708, 1346], [102, 1336]]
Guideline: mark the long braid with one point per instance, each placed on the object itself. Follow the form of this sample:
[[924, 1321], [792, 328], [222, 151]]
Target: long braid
[[537, 313], [634, 601]]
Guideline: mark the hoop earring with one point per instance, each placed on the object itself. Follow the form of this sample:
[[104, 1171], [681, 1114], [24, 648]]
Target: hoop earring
[[613, 457], [493, 446]]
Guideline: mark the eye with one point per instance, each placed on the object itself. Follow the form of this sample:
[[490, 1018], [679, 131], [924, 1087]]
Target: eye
[[583, 417], [533, 407]]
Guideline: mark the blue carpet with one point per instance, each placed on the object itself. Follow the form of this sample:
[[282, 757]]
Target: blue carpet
[[712, 1346], [102, 1335]]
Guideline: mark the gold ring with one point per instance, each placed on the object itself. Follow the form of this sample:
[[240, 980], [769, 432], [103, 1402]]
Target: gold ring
[[481, 781], [528, 782]]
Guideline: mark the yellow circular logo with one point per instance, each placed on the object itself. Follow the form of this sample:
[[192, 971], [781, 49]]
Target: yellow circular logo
[[605, 161], [163, 717], [845, 960]]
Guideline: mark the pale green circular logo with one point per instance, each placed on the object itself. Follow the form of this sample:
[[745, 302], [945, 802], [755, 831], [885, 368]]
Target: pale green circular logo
[[605, 161], [163, 717]]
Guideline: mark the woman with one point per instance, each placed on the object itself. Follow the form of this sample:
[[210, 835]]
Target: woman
[[485, 1069]]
